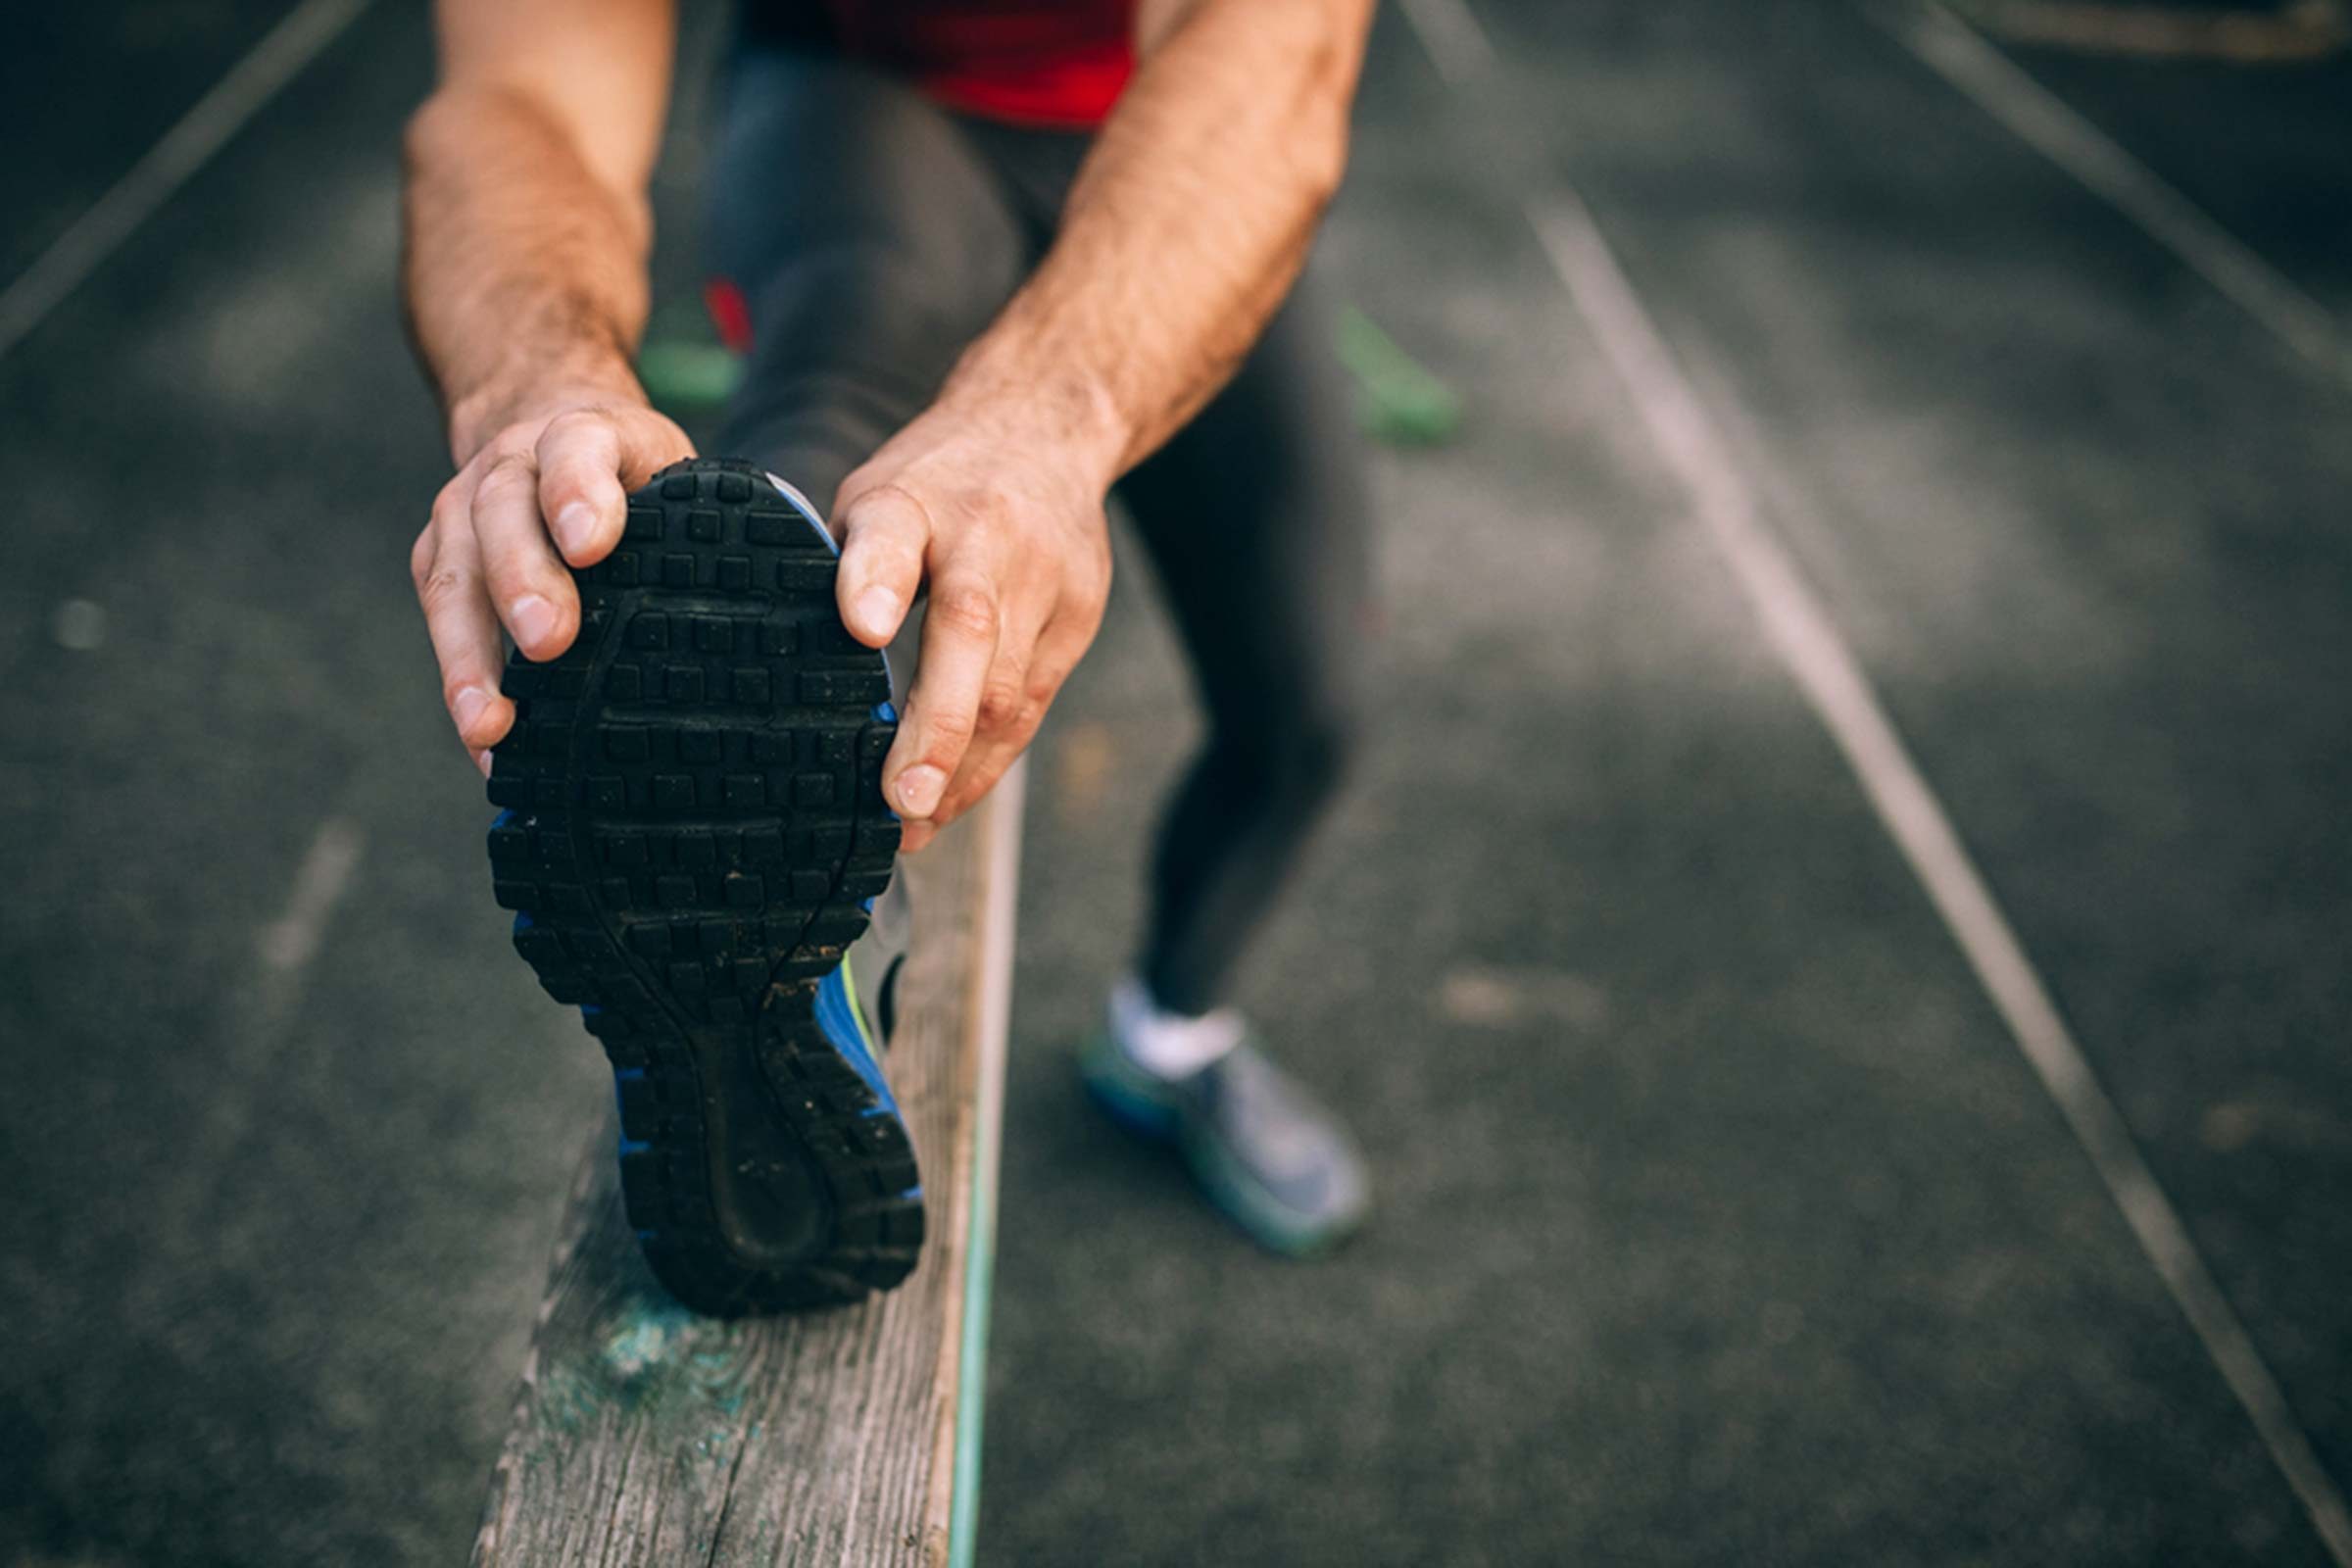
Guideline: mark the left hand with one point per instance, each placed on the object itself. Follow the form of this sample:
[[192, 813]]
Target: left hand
[[1008, 529]]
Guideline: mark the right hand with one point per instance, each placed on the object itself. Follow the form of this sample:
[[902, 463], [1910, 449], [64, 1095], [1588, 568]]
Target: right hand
[[549, 488]]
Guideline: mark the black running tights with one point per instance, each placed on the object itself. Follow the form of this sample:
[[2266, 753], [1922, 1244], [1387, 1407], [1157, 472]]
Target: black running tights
[[873, 234]]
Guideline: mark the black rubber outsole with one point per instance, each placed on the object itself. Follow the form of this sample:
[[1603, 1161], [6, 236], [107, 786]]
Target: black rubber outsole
[[693, 824]]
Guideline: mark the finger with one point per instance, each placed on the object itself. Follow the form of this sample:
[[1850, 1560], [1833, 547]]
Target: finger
[[1005, 705], [648, 442], [959, 644], [984, 766], [1057, 652], [885, 534], [579, 485], [463, 630], [526, 581]]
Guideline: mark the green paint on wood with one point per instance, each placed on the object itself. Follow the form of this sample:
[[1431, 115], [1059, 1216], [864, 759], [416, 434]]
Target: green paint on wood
[[653, 1361], [641, 1343], [971, 1367]]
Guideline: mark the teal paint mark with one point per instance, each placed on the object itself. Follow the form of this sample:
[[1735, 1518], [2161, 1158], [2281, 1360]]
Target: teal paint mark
[[1398, 401], [655, 1361], [971, 1364], [644, 1344]]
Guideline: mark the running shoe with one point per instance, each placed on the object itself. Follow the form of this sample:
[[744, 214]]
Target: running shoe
[[692, 835], [1262, 1149]]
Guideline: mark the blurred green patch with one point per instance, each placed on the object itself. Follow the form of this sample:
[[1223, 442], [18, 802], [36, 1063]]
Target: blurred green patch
[[688, 378], [1398, 401], [686, 369], [687, 372]]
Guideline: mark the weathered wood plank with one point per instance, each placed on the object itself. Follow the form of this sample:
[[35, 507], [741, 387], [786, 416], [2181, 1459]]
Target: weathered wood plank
[[644, 1434]]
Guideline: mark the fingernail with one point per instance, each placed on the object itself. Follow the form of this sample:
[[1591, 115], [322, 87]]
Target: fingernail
[[878, 610], [533, 618], [481, 759], [919, 790], [574, 526], [468, 706]]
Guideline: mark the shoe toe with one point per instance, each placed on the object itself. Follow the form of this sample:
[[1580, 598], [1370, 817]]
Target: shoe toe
[[1281, 1164]]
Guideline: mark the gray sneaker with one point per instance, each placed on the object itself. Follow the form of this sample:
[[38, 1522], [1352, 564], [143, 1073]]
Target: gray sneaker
[[1266, 1154]]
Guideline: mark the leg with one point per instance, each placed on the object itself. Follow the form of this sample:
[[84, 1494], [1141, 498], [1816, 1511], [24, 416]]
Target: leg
[[1257, 521], [865, 239], [695, 828]]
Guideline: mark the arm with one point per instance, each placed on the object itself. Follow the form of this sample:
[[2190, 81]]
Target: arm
[[1186, 226], [524, 276]]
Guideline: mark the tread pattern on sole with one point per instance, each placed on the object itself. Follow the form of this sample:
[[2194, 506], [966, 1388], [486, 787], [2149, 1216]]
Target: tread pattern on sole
[[692, 826]]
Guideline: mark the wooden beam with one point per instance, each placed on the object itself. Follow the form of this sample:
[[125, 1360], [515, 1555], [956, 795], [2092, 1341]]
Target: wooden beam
[[646, 1434]]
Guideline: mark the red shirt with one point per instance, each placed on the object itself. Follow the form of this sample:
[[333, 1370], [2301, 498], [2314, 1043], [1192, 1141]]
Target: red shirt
[[1038, 62]]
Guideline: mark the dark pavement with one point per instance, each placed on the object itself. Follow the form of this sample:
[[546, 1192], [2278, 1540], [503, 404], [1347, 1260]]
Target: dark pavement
[[1722, 1220]]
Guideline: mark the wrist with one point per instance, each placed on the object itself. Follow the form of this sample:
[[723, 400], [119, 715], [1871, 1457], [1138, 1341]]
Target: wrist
[[1062, 414], [524, 393]]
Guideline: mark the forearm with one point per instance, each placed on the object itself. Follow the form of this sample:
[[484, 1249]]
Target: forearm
[[1184, 229], [524, 275]]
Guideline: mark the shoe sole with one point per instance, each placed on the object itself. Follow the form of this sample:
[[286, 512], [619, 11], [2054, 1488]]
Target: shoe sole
[[693, 830]]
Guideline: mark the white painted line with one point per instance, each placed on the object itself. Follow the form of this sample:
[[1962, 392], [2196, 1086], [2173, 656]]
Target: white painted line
[[1833, 682], [184, 149], [2294, 30], [1456, 44], [2041, 119], [289, 943]]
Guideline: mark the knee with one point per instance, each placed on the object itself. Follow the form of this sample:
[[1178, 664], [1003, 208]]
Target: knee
[[1321, 751], [1296, 759]]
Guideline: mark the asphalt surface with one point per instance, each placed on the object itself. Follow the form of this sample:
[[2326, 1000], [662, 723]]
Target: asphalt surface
[[1722, 1220]]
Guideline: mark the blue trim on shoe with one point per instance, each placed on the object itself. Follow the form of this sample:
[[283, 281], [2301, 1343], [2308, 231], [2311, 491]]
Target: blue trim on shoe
[[838, 1017]]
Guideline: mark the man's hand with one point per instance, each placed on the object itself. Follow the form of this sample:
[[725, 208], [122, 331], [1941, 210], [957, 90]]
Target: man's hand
[[487, 558], [526, 230], [1137, 315], [1007, 527]]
